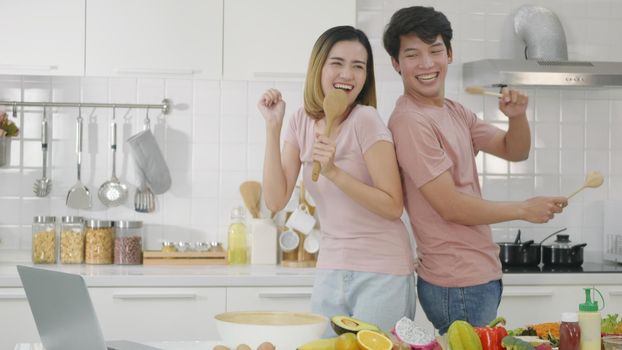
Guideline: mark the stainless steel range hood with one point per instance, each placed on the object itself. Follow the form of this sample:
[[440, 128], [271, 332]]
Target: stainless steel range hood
[[496, 72]]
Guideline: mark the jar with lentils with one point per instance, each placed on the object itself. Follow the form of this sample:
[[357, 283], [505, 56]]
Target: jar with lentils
[[72, 240], [128, 242], [44, 240], [99, 241]]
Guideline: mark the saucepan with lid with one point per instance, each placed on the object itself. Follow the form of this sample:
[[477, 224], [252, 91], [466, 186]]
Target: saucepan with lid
[[562, 252]]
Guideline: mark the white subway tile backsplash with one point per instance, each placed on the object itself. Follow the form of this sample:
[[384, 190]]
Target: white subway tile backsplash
[[233, 157], [234, 94], [547, 161], [547, 135], [597, 135], [206, 156], [572, 136], [572, 162]]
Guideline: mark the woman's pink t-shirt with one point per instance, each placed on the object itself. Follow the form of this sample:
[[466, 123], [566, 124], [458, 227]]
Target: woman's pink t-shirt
[[352, 237]]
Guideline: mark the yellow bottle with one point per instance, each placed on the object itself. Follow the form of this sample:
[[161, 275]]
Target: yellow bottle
[[589, 322], [237, 242]]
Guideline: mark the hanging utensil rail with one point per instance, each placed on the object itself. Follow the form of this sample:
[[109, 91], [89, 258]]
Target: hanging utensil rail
[[165, 106]]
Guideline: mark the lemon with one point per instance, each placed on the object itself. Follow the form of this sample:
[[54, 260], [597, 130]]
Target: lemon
[[370, 340]]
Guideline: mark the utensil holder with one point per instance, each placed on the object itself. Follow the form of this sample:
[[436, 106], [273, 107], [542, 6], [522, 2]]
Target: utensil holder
[[5, 150]]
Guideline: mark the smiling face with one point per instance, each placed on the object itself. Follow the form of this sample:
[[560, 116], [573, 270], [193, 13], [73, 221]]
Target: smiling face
[[345, 69], [423, 68]]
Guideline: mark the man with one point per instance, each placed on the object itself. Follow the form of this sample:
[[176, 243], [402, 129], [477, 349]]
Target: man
[[436, 140]]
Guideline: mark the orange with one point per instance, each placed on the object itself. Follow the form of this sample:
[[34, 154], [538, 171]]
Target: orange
[[370, 340], [347, 341]]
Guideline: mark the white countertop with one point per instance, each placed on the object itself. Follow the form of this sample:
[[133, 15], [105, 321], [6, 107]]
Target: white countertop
[[254, 276]]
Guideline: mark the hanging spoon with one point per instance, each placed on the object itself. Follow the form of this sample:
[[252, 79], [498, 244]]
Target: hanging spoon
[[593, 180]]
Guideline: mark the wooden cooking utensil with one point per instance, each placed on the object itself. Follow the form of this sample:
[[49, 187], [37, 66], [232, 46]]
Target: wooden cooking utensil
[[478, 90], [251, 194], [593, 179], [335, 103]]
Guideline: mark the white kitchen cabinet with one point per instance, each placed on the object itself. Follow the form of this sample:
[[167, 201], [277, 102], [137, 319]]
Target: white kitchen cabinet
[[158, 314], [269, 298], [272, 39], [16, 321], [154, 38], [41, 37]]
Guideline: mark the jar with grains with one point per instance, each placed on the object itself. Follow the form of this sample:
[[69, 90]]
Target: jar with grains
[[128, 242], [72, 240], [44, 240], [99, 241]]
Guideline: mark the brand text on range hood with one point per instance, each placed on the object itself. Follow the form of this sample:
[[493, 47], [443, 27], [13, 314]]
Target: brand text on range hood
[[496, 72]]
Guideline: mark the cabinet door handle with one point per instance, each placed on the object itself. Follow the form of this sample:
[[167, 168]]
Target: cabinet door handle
[[615, 293], [42, 68], [303, 295], [13, 296], [131, 296], [165, 71], [521, 293]]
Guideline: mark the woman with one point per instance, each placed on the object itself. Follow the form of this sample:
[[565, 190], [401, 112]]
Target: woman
[[365, 265]]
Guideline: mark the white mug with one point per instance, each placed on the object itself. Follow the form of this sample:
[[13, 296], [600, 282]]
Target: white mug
[[312, 242], [301, 220], [288, 241]]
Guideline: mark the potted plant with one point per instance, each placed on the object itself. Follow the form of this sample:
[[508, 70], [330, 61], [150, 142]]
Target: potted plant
[[8, 129]]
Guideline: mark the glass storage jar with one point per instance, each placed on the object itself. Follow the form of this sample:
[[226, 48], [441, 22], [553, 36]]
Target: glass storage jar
[[99, 241], [128, 242], [72, 240], [44, 240]]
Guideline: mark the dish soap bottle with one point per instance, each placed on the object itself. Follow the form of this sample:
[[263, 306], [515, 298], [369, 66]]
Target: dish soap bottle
[[237, 244], [589, 322]]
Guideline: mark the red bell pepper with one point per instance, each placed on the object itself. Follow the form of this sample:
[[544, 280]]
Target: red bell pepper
[[491, 335]]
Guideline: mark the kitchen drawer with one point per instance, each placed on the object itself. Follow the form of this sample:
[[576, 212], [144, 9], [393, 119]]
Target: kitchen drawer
[[158, 314], [270, 298], [16, 322], [535, 304]]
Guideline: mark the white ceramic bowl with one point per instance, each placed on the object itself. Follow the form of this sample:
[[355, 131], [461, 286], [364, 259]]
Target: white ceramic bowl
[[285, 330]]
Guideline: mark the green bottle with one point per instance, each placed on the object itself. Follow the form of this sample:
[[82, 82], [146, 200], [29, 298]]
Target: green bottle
[[589, 322]]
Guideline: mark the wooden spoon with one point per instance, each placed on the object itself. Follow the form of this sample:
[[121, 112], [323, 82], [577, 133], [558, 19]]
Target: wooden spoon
[[593, 179], [251, 194], [478, 90], [335, 103]]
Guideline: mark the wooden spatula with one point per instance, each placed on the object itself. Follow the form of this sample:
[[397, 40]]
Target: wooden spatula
[[593, 179], [335, 103], [251, 194]]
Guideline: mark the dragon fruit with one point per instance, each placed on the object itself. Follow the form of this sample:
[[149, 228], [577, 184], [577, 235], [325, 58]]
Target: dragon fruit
[[418, 338]]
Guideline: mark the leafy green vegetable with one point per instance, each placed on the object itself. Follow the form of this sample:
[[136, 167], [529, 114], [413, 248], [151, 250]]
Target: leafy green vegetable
[[609, 324], [512, 343]]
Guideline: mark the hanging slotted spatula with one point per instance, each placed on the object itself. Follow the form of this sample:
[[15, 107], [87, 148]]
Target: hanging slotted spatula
[[42, 186], [335, 103], [112, 192], [79, 196], [251, 194]]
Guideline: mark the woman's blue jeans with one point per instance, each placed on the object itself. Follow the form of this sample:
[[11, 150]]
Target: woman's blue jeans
[[476, 304]]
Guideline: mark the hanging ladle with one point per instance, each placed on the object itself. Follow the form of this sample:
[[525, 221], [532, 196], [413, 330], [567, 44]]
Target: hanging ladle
[[113, 193], [593, 180]]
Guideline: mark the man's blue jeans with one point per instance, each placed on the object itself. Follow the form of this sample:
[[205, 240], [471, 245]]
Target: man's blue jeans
[[476, 305]]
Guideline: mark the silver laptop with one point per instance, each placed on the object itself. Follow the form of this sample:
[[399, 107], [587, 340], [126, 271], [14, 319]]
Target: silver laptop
[[63, 312]]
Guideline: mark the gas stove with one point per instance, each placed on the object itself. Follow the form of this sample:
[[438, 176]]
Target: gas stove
[[587, 267]]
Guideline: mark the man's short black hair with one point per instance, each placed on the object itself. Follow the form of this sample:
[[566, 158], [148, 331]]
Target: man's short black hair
[[425, 22]]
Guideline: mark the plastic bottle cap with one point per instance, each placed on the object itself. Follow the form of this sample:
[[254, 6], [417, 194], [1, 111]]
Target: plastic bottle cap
[[570, 317], [589, 305]]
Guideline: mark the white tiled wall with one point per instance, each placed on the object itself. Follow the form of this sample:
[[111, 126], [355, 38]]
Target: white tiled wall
[[214, 138]]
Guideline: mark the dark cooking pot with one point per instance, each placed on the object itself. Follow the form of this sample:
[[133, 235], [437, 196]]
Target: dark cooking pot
[[519, 253], [563, 253]]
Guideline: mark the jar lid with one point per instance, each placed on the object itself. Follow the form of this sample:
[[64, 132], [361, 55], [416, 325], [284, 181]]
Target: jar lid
[[570, 317], [44, 219], [72, 219], [96, 223], [128, 224]]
